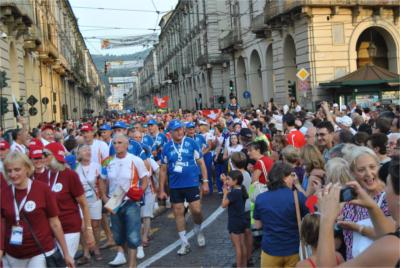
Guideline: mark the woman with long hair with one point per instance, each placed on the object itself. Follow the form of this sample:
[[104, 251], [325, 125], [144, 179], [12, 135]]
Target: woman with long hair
[[263, 165], [28, 210]]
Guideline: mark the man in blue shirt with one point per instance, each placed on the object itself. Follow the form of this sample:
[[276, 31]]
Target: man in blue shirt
[[181, 162], [159, 139], [134, 147]]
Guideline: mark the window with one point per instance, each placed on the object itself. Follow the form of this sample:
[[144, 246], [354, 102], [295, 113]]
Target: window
[[338, 34]]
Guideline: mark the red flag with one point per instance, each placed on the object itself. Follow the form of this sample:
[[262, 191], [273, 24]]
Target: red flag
[[212, 115], [161, 102]]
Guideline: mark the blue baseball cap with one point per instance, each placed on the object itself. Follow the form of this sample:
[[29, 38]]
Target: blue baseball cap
[[190, 125], [119, 124], [174, 125], [105, 127], [152, 122], [145, 125]]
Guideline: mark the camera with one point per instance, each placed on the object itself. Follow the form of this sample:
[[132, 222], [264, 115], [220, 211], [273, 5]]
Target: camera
[[347, 194]]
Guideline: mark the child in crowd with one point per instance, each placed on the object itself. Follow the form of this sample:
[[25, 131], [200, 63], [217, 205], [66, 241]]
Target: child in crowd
[[235, 195]]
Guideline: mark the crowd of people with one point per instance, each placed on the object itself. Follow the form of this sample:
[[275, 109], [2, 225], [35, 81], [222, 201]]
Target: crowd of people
[[309, 188]]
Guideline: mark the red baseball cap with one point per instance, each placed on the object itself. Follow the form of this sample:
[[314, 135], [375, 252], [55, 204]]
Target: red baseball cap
[[4, 145], [57, 150], [35, 152], [87, 127], [35, 142], [47, 126]]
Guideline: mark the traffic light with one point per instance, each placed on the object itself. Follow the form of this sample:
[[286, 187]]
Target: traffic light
[[4, 105], [3, 79], [292, 89], [231, 86]]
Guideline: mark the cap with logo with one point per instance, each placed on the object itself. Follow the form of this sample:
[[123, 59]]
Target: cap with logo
[[105, 127], [151, 122], [174, 125], [86, 127], [35, 152], [119, 124], [190, 125], [57, 151]]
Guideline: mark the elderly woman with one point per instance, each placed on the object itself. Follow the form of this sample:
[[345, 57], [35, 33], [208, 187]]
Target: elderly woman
[[89, 174], [356, 223], [383, 252], [28, 206], [70, 196], [275, 212], [337, 171]]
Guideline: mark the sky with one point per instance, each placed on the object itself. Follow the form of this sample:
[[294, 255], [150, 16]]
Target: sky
[[98, 19]]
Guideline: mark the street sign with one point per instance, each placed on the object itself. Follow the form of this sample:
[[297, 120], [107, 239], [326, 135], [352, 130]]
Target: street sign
[[303, 85], [32, 100], [247, 94], [302, 74]]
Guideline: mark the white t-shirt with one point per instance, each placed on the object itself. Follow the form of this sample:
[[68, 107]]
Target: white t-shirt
[[18, 147], [88, 175], [100, 151], [232, 150], [119, 172], [246, 182]]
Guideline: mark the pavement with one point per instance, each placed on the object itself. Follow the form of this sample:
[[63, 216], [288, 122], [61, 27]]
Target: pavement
[[218, 251]]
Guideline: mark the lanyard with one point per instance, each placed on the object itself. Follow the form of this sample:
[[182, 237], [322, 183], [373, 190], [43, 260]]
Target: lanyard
[[179, 151], [55, 179], [17, 208]]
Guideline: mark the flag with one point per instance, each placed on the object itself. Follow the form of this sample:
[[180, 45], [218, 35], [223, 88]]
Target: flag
[[16, 107], [211, 114], [161, 102]]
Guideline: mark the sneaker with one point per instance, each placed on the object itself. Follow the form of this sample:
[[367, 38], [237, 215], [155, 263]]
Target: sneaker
[[118, 260], [185, 249], [168, 203], [201, 240], [140, 252]]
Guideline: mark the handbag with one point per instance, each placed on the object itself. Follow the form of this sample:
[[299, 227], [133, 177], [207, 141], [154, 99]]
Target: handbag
[[257, 187], [360, 242], [303, 253], [135, 192], [54, 260]]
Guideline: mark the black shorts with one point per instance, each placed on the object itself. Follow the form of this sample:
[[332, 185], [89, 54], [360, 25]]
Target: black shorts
[[247, 218], [190, 194]]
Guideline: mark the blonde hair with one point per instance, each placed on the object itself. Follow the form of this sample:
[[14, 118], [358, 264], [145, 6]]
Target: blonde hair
[[338, 170], [16, 156], [312, 158], [291, 154], [359, 151]]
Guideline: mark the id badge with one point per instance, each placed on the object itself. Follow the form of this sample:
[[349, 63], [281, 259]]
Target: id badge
[[178, 168], [16, 235]]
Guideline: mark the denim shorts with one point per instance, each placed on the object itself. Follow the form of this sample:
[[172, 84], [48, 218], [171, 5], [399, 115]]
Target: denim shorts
[[126, 224]]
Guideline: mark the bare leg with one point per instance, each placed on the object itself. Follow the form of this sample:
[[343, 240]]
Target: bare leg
[[195, 209], [146, 230], [235, 238], [244, 253], [248, 237], [96, 232], [106, 227], [132, 258]]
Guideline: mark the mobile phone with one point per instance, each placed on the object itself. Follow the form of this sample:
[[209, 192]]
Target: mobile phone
[[347, 194]]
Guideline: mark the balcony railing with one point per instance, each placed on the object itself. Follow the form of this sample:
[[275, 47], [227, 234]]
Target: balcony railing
[[230, 41], [274, 8], [212, 59], [33, 38], [258, 26]]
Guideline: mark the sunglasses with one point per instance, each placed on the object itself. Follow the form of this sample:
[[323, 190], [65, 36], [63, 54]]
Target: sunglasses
[[46, 154], [117, 142]]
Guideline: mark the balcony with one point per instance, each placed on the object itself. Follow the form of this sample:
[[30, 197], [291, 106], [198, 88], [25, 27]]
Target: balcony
[[18, 14], [33, 38], [258, 26], [48, 52], [217, 59], [231, 41], [275, 8]]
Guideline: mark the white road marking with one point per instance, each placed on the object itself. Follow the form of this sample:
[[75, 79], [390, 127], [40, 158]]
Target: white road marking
[[177, 243]]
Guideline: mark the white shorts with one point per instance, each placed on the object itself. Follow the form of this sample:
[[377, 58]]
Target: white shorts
[[37, 261], [95, 210], [72, 240], [148, 208]]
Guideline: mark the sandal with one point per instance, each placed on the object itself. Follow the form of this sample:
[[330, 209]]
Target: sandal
[[107, 245], [84, 260]]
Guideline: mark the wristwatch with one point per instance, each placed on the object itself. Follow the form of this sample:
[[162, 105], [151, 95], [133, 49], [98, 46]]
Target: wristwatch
[[204, 180]]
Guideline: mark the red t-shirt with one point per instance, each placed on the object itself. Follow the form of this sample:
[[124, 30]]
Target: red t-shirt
[[42, 206], [66, 189], [296, 138], [268, 163], [43, 177]]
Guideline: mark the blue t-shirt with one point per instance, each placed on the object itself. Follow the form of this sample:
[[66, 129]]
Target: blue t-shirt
[[184, 173], [148, 140], [159, 141], [147, 150], [201, 141], [136, 149], [277, 212]]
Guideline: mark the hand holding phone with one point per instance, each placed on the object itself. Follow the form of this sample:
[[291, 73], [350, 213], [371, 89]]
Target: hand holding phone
[[347, 194]]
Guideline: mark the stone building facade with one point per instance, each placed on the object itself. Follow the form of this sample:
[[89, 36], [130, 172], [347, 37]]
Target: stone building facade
[[260, 45], [189, 63], [327, 38], [44, 56]]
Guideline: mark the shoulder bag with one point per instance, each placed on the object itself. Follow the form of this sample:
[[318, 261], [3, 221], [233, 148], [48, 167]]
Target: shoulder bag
[[135, 192], [257, 187], [303, 253], [54, 260]]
